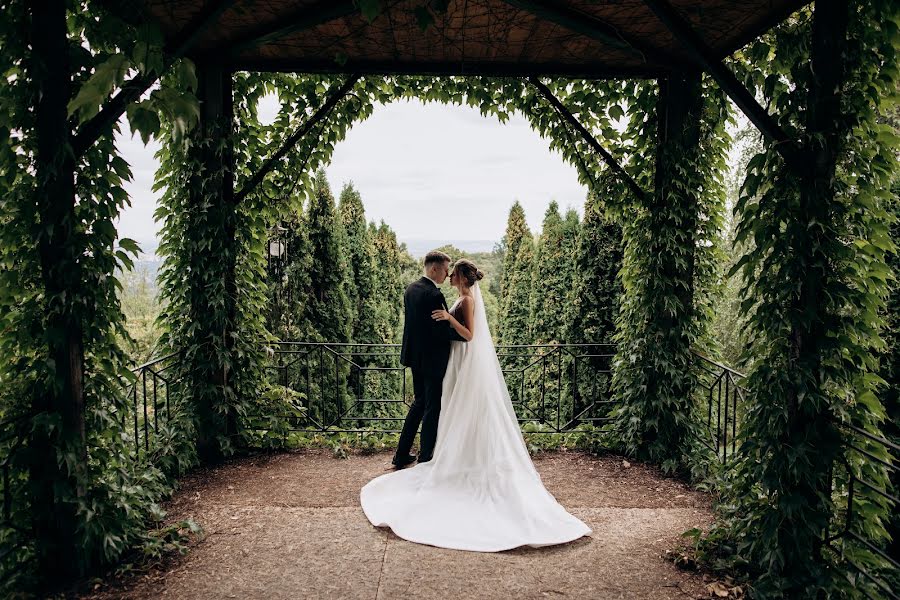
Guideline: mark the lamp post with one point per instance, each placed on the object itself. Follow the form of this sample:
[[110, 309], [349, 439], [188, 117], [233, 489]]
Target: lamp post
[[277, 256]]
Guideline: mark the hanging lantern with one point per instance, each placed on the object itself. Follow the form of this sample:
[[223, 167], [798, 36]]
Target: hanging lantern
[[278, 243]]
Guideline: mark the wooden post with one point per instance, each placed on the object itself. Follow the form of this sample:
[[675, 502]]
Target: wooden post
[[817, 197], [680, 104], [706, 59], [654, 386], [214, 265], [52, 485], [679, 109]]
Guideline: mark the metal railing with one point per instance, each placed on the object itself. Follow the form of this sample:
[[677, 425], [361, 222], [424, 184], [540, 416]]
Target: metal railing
[[151, 394], [363, 388], [560, 386], [852, 487], [350, 387], [719, 388]]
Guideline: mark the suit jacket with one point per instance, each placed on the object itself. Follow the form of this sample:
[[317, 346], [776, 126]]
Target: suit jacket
[[426, 342]]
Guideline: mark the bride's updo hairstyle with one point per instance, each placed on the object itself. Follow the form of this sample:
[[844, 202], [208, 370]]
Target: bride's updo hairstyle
[[468, 271]]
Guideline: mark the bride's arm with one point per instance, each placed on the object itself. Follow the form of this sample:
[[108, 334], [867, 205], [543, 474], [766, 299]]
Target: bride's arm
[[468, 309]]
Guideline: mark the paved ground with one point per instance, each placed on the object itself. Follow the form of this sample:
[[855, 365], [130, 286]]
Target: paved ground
[[290, 526]]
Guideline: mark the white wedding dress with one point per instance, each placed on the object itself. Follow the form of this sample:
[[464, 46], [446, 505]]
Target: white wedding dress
[[480, 491]]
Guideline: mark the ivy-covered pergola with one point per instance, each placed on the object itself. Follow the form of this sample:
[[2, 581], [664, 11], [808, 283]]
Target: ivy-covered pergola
[[812, 216]]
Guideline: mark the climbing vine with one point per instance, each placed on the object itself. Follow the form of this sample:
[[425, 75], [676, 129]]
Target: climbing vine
[[192, 277], [669, 272], [76, 485], [214, 251], [815, 281]]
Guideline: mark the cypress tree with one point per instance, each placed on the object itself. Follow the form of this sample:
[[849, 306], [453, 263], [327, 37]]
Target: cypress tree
[[516, 231], [596, 287], [596, 293], [389, 284], [319, 279], [571, 226], [517, 324], [520, 279], [388, 318], [327, 305], [360, 253], [549, 288]]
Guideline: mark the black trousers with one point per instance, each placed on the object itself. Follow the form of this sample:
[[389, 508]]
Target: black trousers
[[425, 409]]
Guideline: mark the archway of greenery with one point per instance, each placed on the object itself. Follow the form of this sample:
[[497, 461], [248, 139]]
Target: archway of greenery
[[815, 271], [592, 103]]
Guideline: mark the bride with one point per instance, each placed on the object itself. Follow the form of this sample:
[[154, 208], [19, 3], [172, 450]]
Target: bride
[[480, 491]]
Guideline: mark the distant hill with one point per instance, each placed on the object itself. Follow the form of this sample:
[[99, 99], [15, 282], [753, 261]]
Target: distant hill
[[419, 248]]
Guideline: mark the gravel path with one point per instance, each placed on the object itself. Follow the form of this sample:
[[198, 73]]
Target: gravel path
[[290, 526]]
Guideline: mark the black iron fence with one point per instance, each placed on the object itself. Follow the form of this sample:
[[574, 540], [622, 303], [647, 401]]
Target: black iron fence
[[364, 388], [873, 571], [720, 399], [559, 386], [151, 393]]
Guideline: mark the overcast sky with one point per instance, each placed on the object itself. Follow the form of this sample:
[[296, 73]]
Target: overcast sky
[[430, 171]]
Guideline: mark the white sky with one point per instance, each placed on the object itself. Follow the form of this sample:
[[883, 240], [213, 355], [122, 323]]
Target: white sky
[[430, 171]]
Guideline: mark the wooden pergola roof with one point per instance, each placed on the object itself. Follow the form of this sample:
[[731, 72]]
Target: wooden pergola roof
[[583, 38]]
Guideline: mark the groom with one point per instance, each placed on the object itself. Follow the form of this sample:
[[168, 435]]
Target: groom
[[426, 350]]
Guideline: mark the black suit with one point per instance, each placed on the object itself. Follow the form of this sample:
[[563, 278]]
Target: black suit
[[426, 350]]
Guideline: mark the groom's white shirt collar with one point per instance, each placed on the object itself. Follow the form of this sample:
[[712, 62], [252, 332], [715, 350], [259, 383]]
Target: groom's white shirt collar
[[431, 280]]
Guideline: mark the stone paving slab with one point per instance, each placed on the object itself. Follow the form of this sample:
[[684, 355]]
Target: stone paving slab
[[290, 526]]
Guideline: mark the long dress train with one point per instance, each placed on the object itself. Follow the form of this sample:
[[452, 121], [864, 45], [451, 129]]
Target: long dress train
[[480, 491]]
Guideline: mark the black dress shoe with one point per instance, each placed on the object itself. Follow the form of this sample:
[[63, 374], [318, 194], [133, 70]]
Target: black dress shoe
[[401, 461], [424, 459]]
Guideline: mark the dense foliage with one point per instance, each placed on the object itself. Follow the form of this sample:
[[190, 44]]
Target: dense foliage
[[814, 269], [890, 370], [815, 280], [551, 277], [516, 234], [671, 246], [88, 499], [597, 289], [517, 323], [362, 284]]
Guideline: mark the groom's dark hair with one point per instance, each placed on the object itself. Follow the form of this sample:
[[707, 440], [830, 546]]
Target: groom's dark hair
[[436, 256]]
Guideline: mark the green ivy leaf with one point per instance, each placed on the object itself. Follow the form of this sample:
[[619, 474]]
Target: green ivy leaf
[[95, 90], [144, 120]]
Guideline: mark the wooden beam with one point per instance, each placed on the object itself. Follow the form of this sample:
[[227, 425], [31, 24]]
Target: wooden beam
[[595, 71], [133, 89], [705, 59], [592, 27], [773, 18], [301, 19], [289, 143], [608, 158]]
